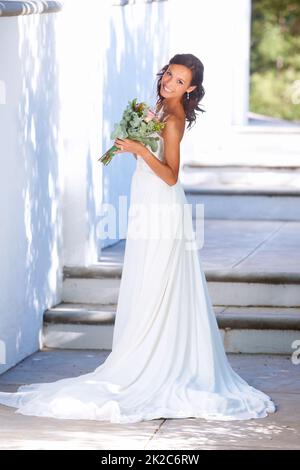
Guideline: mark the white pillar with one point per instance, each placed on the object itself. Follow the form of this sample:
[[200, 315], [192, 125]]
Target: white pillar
[[241, 61], [79, 47]]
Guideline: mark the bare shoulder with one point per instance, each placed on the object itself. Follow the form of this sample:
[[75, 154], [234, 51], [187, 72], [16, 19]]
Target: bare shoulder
[[175, 126]]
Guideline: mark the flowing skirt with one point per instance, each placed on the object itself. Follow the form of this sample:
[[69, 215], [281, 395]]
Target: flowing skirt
[[167, 358]]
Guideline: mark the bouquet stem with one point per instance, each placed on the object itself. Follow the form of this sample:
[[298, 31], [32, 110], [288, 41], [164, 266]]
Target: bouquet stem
[[108, 155]]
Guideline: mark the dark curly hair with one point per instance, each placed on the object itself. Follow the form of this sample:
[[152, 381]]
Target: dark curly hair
[[190, 105]]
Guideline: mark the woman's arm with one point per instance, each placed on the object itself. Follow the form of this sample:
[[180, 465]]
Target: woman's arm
[[168, 170]]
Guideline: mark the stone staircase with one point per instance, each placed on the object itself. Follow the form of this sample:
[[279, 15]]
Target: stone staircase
[[243, 191], [250, 172], [244, 329], [100, 285], [255, 313]]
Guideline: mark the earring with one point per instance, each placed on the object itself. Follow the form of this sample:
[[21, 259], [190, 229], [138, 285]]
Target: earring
[[188, 95]]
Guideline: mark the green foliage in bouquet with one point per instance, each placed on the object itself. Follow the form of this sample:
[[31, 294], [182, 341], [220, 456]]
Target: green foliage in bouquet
[[138, 123]]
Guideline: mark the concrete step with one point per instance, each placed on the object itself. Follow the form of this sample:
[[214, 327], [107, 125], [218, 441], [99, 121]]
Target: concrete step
[[79, 326], [243, 191], [238, 205], [100, 283], [97, 283], [249, 144], [244, 330], [242, 177]]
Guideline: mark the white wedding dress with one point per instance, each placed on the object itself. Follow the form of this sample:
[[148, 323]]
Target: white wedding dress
[[167, 358]]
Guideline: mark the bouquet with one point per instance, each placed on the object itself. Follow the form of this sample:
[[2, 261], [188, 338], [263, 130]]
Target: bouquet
[[139, 123]]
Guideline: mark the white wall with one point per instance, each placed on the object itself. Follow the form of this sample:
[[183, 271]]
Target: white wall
[[50, 137], [135, 45], [79, 36], [30, 183], [107, 58]]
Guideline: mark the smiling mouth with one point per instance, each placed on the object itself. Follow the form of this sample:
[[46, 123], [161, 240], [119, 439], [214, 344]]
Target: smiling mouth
[[167, 89]]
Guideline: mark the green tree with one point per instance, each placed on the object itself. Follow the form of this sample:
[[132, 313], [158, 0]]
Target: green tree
[[275, 58]]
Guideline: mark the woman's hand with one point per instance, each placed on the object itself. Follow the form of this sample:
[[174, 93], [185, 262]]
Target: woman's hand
[[128, 145]]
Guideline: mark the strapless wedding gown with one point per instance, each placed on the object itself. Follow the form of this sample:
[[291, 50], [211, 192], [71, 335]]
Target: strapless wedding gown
[[167, 358]]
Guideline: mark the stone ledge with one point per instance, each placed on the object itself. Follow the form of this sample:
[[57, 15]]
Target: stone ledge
[[194, 165], [76, 313], [29, 7], [95, 271], [263, 277], [255, 318], [114, 271], [277, 192], [294, 128]]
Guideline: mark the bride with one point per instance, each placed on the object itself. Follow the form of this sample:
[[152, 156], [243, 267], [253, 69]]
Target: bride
[[167, 358]]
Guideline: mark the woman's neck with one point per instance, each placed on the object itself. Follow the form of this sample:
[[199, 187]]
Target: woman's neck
[[165, 107]]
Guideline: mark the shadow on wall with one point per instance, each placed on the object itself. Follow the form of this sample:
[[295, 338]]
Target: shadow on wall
[[129, 71], [31, 232]]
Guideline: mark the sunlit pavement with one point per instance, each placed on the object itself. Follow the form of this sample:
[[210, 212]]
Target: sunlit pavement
[[273, 374]]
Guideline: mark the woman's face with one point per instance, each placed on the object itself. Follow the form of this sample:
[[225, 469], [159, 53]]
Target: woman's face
[[175, 81]]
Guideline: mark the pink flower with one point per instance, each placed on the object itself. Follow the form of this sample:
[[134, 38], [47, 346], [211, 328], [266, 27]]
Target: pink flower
[[149, 116]]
